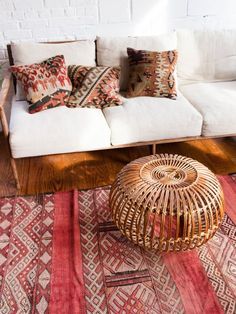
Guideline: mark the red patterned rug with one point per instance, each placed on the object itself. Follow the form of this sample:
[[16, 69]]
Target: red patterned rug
[[61, 253]]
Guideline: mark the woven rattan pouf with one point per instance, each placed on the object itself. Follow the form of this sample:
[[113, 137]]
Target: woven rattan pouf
[[167, 202]]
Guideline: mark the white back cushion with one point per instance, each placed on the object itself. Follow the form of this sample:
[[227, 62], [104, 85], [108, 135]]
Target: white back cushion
[[207, 55], [112, 51], [80, 52]]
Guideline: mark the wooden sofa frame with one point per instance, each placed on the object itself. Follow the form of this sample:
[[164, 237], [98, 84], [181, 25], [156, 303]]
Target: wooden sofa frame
[[5, 98]]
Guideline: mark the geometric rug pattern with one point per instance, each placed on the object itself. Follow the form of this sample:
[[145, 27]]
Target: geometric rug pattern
[[61, 253], [26, 231]]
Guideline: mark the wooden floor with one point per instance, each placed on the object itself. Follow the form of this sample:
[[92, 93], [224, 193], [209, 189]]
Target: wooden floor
[[88, 170]]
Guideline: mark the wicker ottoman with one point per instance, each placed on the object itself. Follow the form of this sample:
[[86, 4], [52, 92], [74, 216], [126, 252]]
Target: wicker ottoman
[[167, 202]]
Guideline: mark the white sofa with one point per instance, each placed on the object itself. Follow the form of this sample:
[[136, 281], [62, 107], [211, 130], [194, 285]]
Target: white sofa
[[206, 103]]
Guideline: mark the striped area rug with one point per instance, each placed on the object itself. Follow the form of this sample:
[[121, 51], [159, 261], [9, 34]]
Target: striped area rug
[[61, 253]]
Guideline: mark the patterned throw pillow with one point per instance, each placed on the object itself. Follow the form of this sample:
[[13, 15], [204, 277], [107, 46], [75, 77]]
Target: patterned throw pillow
[[152, 73], [46, 84], [94, 87]]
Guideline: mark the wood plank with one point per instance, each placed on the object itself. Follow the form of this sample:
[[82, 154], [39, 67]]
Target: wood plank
[[99, 168]]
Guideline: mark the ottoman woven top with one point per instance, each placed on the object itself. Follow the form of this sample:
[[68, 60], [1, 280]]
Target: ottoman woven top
[[167, 202]]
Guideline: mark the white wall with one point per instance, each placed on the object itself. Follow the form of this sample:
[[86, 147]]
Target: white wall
[[43, 20]]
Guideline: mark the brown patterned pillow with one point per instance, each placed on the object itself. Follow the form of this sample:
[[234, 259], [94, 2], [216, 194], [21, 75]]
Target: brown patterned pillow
[[152, 73], [46, 84], [94, 87]]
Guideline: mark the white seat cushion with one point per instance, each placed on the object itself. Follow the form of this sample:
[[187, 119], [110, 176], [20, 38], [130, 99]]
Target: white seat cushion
[[58, 130], [217, 104], [143, 119]]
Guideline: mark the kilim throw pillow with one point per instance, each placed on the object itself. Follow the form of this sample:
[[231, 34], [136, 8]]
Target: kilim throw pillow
[[46, 84], [152, 73], [94, 87]]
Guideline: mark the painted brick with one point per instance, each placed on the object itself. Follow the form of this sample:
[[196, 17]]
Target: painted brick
[[17, 34], [9, 25], [18, 15], [80, 11], [113, 11], [28, 4], [72, 21], [143, 9], [91, 10], [1, 37], [58, 22], [158, 9], [228, 22], [205, 7], [2, 46], [178, 10], [216, 22], [2, 55], [80, 31], [56, 3], [5, 15], [80, 3], [6, 5], [119, 29], [32, 24], [57, 12], [45, 34], [87, 20], [70, 11], [31, 14], [45, 13], [189, 22], [150, 17], [229, 9]]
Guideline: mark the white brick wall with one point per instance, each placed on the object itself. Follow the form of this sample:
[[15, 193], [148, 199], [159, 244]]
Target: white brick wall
[[113, 11], [42, 20]]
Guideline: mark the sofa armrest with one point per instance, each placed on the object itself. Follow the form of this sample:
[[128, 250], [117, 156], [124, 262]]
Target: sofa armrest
[[6, 93]]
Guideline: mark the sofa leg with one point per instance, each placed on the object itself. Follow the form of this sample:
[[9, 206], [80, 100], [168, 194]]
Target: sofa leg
[[154, 149], [15, 173]]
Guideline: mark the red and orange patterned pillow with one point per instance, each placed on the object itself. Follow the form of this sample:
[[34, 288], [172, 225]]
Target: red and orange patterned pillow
[[46, 84], [152, 73], [94, 87]]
